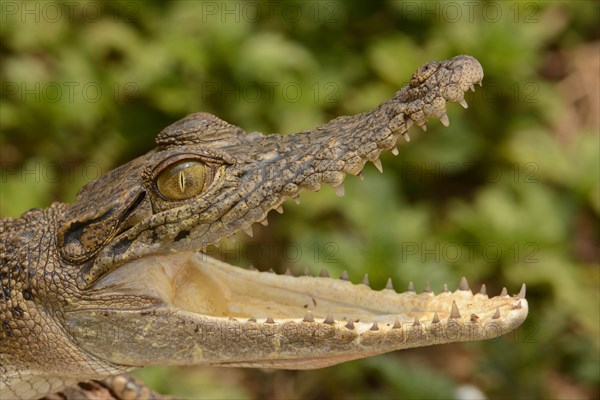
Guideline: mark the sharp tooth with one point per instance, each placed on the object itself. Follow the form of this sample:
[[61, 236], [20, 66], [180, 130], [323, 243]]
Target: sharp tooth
[[427, 287], [377, 164], [504, 292], [344, 276], [361, 176], [297, 199], [306, 272], [480, 82], [454, 311], [463, 103], [350, 325], [411, 287], [424, 127], [483, 290], [252, 268], [389, 285], [522, 292], [409, 123], [436, 318], [308, 317], [328, 320], [444, 120], [252, 319], [396, 325], [269, 321], [365, 280], [517, 306], [395, 151], [288, 271], [324, 273], [339, 190], [417, 322], [279, 209], [406, 136], [375, 327], [445, 288], [264, 222], [497, 313], [472, 88], [248, 231], [463, 285]]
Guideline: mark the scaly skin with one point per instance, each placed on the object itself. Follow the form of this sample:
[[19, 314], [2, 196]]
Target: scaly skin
[[118, 280]]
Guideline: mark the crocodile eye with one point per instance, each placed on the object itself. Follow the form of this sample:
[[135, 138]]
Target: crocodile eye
[[183, 180]]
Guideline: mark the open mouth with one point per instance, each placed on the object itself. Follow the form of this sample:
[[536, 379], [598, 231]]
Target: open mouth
[[199, 284]]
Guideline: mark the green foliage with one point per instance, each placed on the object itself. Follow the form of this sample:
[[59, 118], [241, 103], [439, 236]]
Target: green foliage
[[509, 193]]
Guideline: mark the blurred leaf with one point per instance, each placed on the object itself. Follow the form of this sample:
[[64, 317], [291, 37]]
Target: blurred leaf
[[502, 195]]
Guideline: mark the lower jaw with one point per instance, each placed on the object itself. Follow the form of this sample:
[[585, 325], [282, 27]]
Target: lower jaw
[[209, 312], [199, 284]]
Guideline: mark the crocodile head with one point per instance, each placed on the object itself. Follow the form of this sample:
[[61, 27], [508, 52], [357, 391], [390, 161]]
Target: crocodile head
[[147, 293]]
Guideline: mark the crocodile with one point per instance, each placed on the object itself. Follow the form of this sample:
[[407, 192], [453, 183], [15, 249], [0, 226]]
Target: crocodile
[[121, 278]]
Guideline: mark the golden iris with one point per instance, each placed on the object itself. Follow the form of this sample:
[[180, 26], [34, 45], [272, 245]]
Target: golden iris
[[183, 180]]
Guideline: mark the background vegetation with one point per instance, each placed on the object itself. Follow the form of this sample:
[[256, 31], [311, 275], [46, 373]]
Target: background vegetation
[[509, 193]]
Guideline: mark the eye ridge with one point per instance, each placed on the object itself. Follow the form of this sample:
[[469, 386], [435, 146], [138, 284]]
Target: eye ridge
[[184, 179]]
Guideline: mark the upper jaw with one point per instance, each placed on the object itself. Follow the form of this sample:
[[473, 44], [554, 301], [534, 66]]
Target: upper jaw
[[257, 173]]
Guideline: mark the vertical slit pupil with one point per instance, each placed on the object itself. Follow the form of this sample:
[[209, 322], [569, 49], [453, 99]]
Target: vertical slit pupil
[[182, 181]]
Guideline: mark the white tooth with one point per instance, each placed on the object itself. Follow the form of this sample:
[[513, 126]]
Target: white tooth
[[264, 222], [339, 190], [279, 209], [424, 127], [361, 176], [395, 151], [444, 120], [463, 103], [389, 285], [365, 280], [409, 123], [248, 231], [297, 199], [406, 137], [378, 165], [472, 88]]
